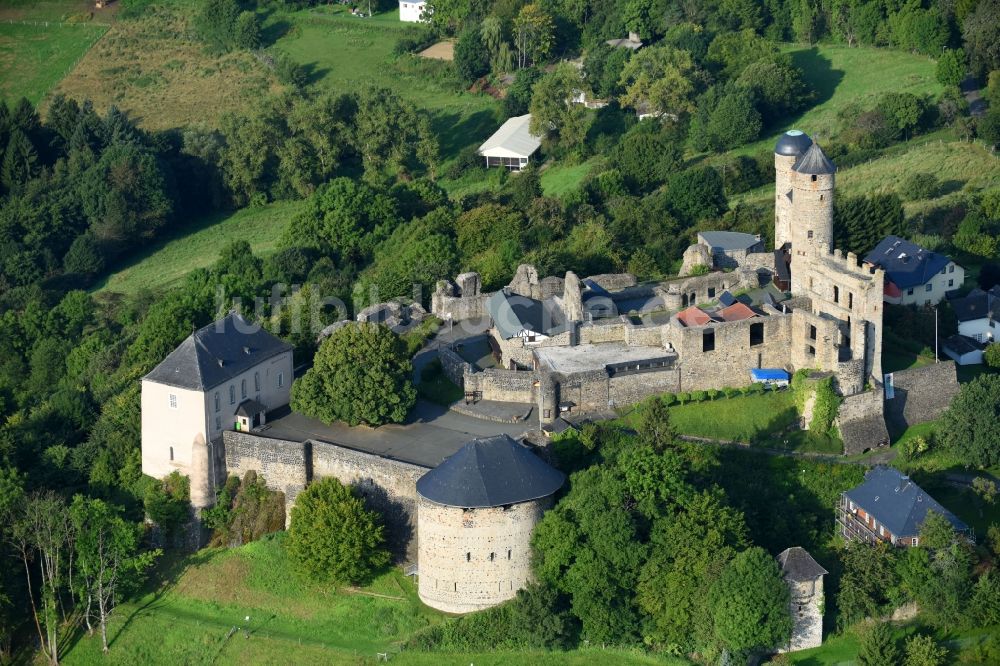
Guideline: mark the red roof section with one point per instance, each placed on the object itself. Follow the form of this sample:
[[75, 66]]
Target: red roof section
[[891, 290], [736, 312], [694, 316]]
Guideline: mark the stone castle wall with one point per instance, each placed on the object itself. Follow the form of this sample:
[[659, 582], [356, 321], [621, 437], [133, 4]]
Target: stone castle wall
[[921, 394], [471, 559], [454, 367], [679, 294], [861, 423], [730, 362], [503, 385], [388, 486], [628, 389]]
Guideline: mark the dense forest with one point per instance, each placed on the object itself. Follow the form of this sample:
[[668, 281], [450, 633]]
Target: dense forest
[[84, 189]]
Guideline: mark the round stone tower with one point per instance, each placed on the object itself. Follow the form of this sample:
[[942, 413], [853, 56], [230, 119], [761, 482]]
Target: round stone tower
[[790, 147], [811, 221], [475, 515]]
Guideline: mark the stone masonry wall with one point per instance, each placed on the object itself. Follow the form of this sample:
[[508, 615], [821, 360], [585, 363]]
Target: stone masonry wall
[[730, 362], [628, 389], [472, 559], [454, 366], [503, 385], [861, 423], [388, 486], [283, 464], [921, 394]]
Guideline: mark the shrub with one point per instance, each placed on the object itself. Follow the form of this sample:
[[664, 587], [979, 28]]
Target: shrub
[[683, 397], [700, 269], [333, 537], [712, 394], [730, 392], [992, 355], [698, 396], [825, 408], [920, 185], [668, 399]]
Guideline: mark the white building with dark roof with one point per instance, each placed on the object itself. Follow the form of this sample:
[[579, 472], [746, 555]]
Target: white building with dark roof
[[225, 376], [978, 315], [914, 275], [511, 146]]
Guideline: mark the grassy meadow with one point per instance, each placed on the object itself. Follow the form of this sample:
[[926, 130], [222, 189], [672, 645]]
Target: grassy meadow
[[167, 261], [33, 58], [155, 68], [188, 616]]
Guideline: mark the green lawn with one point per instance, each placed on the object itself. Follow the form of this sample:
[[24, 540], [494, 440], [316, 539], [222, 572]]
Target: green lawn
[[559, 179], [188, 617], [344, 53], [34, 58], [842, 76], [197, 246]]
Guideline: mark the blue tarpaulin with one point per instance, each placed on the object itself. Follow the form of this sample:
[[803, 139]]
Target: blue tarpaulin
[[768, 375]]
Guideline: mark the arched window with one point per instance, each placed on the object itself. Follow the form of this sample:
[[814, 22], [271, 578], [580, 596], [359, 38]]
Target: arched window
[[243, 388], [256, 381], [232, 394], [217, 401]]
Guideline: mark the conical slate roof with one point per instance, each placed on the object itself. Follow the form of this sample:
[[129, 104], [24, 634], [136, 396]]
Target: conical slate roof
[[793, 142], [798, 565], [489, 472], [814, 162]]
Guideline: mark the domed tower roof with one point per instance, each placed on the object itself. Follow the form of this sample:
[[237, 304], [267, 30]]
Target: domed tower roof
[[488, 472], [814, 162], [792, 143]]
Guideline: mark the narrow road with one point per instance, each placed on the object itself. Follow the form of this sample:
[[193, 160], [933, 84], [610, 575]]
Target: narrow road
[[970, 89]]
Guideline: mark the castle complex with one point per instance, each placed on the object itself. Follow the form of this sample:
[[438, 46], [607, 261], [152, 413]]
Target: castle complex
[[561, 345]]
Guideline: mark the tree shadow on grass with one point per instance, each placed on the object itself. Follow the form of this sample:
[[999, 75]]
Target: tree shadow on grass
[[161, 581], [818, 72], [457, 132]]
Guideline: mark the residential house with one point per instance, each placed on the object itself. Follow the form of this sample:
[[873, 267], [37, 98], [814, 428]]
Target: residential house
[[804, 577], [511, 146], [889, 507], [913, 275], [412, 11], [224, 376], [978, 314]]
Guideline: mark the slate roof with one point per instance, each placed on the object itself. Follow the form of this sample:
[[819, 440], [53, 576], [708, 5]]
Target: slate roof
[[897, 502], [488, 472], [217, 353], [792, 142], [978, 304], [961, 344], [726, 299], [798, 565], [250, 408], [906, 263], [729, 240], [814, 161], [512, 313], [513, 139]]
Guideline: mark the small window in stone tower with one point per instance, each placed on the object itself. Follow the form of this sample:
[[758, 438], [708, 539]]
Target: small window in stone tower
[[756, 334], [711, 292], [493, 556], [171, 453], [812, 332], [810, 350], [821, 197], [850, 300], [708, 340], [508, 554], [468, 557], [836, 294], [809, 234], [814, 178]]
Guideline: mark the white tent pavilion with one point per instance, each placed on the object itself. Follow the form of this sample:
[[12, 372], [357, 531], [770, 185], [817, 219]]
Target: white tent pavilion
[[512, 145]]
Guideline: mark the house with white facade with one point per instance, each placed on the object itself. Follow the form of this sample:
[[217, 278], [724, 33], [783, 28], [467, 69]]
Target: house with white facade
[[225, 376], [978, 315], [412, 11], [511, 146], [914, 275]]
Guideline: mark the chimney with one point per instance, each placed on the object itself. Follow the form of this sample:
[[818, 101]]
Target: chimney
[[633, 36], [221, 362], [246, 350]]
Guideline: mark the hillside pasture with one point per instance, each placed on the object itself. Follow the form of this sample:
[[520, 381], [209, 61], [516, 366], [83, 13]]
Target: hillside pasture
[[196, 612], [165, 263], [156, 69], [35, 56]]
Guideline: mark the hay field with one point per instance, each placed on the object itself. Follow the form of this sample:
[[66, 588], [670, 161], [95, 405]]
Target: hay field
[[155, 68]]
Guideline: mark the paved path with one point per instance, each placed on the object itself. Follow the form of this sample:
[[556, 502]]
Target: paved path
[[970, 89]]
